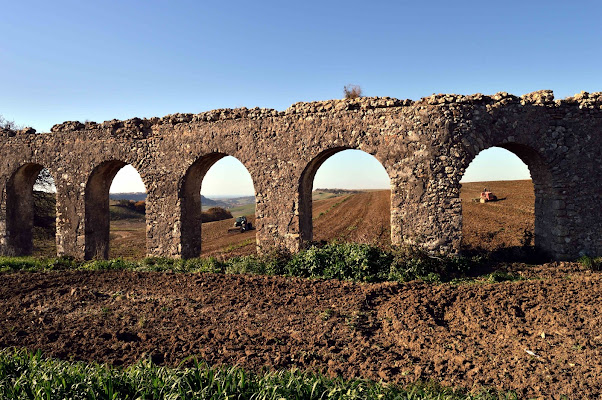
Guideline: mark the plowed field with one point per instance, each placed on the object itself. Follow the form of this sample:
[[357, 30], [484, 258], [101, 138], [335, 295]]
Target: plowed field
[[364, 217], [500, 224], [538, 337]]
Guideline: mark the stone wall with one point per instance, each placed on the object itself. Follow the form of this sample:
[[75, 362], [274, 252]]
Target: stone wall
[[425, 147]]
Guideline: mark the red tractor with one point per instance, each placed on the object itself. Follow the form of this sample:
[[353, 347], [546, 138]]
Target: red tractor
[[487, 196]]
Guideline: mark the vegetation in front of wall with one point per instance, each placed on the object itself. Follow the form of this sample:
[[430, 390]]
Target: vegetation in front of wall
[[343, 261], [26, 375], [591, 263]]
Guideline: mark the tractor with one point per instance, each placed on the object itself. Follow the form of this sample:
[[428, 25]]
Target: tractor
[[241, 224], [487, 196]]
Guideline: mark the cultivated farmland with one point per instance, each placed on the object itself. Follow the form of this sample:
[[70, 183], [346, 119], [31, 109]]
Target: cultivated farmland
[[363, 217], [532, 329]]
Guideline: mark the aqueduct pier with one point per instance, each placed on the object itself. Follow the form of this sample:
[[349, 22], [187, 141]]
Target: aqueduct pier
[[425, 147]]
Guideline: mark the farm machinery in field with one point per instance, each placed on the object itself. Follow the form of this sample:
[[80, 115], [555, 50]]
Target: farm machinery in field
[[486, 197], [241, 224]]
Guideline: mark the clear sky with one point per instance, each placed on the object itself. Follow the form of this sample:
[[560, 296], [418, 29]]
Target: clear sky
[[93, 60]]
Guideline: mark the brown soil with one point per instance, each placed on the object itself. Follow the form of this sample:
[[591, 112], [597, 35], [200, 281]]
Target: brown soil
[[538, 337], [500, 224], [217, 241], [364, 217], [361, 218], [127, 239]]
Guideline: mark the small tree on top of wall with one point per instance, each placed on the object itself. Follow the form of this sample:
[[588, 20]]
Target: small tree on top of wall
[[6, 124], [352, 91]]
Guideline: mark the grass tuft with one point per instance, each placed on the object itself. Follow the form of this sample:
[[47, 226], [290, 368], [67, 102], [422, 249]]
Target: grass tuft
[[26, 375], [591, 263]]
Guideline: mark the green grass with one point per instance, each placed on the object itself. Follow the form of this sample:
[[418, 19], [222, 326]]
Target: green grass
[[247, 209], [591, 263], [25, 375], [501, 276], [343, 261]]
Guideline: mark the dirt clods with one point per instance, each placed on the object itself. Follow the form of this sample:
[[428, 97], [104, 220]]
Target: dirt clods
[[538, 337]]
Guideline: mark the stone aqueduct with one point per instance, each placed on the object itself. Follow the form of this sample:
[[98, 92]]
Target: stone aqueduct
[[425, 147]]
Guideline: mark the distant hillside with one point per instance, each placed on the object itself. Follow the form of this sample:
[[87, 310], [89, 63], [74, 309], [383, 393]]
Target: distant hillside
[[208, 202], [338, 191], [237, 201], [125, 209], [228, 203], [128, 196], [142, 196]]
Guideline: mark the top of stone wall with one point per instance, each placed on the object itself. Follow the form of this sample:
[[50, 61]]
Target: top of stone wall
[[6, 132], [542, 97]]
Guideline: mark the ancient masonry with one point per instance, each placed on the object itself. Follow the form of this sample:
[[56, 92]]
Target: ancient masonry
[[425, 147]]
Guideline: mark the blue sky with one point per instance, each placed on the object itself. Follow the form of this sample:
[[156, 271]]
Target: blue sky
[[74, 60]]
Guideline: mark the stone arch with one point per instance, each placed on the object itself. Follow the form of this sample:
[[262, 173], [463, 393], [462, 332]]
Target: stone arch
[[97, 216], [190, 203], [544, 190], [20, 209], [306, 185]]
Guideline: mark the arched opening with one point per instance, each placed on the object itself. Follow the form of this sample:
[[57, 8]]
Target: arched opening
[[31, 212], [514, 222], [115, 212], [216, 193], [127, 211], [345, 195]]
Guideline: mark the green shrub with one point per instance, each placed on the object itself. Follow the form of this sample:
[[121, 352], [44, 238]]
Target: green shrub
[[115, 264], [157, 263], [244, 265], [343, 261], [501, 276], [359, 262], [62, 263], [210, 264], [276, 261], [412, 262], [270, 264], [215, 214], [21, 263]]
